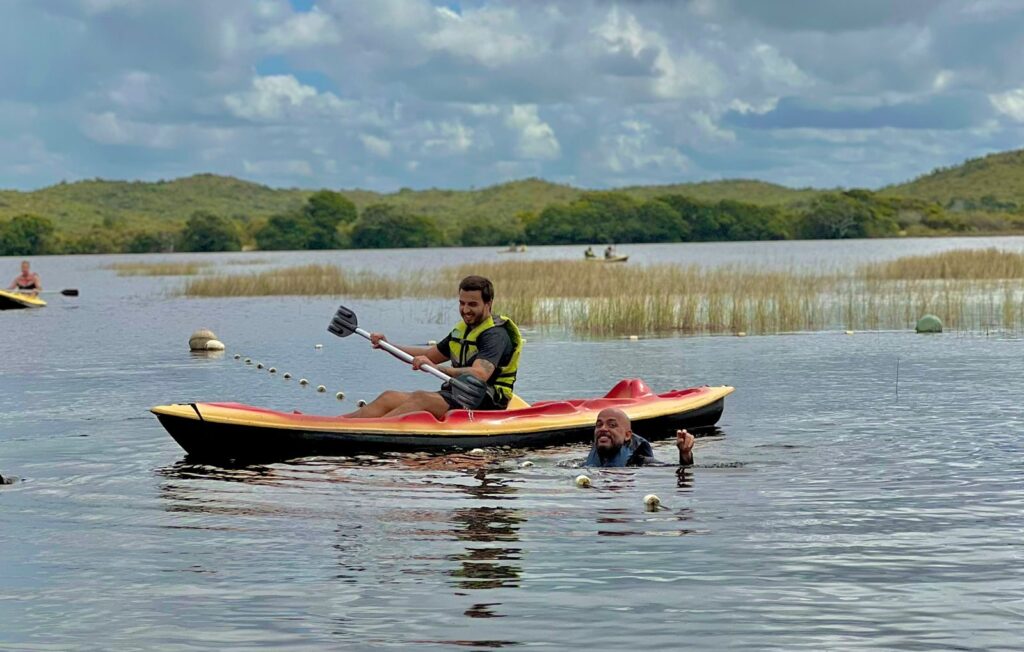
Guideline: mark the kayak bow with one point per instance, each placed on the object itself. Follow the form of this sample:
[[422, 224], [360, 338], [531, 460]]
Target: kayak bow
[[242, 432], [18, 301]]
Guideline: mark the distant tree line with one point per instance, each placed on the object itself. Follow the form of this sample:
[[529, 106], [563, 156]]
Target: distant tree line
[[328, 220]]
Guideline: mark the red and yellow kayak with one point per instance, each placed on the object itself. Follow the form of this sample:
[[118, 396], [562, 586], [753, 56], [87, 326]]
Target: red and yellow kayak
[[242, 432], [19, 300]]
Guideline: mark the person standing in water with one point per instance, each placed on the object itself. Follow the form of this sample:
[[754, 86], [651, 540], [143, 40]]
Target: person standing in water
[[27, 282]]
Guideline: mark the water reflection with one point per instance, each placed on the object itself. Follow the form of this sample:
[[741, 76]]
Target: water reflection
[[487, 567]]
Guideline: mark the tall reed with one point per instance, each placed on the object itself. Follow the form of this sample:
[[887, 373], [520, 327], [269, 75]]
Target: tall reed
[[969, 291]]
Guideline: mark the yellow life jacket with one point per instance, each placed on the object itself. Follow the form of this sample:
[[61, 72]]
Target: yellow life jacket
[[462, 348]]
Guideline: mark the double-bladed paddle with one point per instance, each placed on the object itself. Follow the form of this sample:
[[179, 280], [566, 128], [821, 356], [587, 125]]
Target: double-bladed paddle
[[467, 390], [69, 292]]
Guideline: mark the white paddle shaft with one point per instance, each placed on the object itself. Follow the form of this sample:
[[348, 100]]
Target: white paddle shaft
[[405, 357]]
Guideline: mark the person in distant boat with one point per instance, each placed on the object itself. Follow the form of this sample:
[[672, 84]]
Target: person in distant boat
[[609, 251], [482, 344], [27, 282], [589, 253], [615, 443]]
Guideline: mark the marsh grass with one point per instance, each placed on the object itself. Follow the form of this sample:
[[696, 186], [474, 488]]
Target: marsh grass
[[307, 280], [609, 300], [965, 264], [159, 268]]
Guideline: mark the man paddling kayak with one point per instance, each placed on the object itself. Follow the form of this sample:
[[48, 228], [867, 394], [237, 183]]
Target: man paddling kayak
[[27, 282], [483, 345], [615, 443]]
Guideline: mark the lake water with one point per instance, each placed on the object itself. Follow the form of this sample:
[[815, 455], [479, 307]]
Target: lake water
[[834, 507]]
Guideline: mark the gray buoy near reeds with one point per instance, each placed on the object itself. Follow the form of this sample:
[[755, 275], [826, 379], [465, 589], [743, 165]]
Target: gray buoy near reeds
[[929, 324], [204, 340]]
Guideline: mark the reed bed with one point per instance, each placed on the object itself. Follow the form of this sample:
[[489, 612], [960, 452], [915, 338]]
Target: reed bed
[[159, 268], [306, 280], [962, 264], [617, 300]]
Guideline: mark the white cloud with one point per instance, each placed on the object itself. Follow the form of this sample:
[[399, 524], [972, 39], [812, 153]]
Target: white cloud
[[275, 97], [1010, 103], [108, 128], [535, 138], [486, 35], [447, 138], [303, 30], [277, 167], [636, 148], [376, 146]]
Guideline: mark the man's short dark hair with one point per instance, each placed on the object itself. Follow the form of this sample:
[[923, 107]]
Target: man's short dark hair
[[478, 284]]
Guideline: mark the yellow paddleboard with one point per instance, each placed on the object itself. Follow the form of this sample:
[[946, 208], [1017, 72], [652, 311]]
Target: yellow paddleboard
[[17, 301]]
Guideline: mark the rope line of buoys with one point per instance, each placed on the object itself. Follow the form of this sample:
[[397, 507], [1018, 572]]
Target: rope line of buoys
[[287, 375]]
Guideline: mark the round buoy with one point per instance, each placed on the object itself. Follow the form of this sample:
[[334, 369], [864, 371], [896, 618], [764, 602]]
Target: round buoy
[[741, 334], [582, 481], [215, 345], [652, 502], [303, 381], [340, 396], [321, 389], [526, 464], [248, 361], [259, 365], [198, 340], [272, 370], [929, 324], [634, 338], [360, 403], [849, 332], [318, 346], [286, 375], [237, 356]]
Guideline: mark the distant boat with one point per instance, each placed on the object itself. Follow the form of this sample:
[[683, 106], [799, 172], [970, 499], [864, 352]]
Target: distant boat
[[612, 259], [521, 249]]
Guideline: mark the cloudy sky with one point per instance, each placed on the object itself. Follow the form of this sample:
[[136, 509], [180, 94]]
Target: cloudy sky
[[384, 94]]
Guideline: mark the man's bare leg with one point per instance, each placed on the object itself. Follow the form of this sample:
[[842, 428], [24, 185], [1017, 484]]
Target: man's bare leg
[[418, 401], [381, 405]]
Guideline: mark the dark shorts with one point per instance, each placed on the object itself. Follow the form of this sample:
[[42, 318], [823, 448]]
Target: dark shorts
[[491, 402]]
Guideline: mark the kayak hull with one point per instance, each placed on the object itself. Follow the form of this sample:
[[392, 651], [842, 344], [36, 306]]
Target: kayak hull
[[17, 301], [230, 431]]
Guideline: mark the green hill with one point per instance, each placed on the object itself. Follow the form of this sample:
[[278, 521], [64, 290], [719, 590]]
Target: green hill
[[79, 206], [991, 183], [985, 186]]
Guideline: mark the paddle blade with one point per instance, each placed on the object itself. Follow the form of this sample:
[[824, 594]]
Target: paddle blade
[[344, 323], [70, 292], [468, 391]]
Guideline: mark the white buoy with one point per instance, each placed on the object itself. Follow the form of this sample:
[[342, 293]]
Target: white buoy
[[477, 451], [259, 365], [741, 334], [318, 347], [215, 345], [526, 464], [634, 338], [582, 481], [198, 340], [287, 376], [340, 396], [272, 370], [238, 356], [849, 332], [321, 389], [248, 361], [360, 403], [431, 342], [652, 502], [303, 381]]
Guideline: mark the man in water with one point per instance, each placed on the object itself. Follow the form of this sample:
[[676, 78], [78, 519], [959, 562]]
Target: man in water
[[615, 444], [28, 282], [482, 344]]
